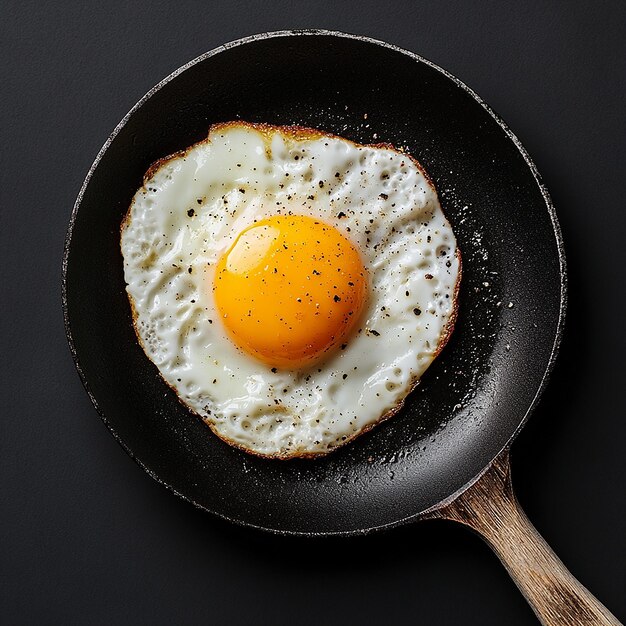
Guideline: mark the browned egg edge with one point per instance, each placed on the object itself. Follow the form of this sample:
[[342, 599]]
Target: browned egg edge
[[299, 133]]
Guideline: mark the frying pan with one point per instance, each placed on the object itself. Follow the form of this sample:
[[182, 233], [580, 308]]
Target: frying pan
[[445, 455]]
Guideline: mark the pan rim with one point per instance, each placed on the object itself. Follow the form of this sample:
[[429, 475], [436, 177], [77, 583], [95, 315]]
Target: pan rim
[[419, 59]]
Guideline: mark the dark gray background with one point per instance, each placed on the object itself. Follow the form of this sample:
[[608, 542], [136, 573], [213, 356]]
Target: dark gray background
[[88, 538]]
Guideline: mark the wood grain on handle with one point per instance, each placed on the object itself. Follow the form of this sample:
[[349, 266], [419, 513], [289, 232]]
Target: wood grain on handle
[[490, 508]]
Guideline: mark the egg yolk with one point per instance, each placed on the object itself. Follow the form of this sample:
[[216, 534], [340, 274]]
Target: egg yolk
[[289, 289]]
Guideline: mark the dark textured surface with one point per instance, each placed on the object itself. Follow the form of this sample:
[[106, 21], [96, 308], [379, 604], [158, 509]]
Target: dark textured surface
[[87, 537]]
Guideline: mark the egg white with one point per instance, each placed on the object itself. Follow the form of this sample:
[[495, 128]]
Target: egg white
[[188, 213]]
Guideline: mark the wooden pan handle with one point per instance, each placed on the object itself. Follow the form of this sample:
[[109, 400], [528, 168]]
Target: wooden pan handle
[[490, 508]]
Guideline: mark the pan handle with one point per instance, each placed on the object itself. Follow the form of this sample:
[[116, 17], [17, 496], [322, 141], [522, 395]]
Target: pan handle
[[490, 508]]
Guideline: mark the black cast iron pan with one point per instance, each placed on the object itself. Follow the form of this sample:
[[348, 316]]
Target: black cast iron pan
[[455, 429]]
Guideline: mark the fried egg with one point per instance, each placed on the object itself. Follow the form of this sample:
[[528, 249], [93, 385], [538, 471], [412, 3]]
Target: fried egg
[[291, 286]]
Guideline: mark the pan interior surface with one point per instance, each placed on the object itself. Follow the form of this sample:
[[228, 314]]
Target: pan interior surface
[[474, 397]]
